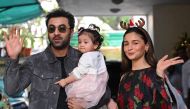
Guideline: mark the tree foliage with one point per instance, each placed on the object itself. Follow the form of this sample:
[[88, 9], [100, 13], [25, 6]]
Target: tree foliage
[[113, 21]]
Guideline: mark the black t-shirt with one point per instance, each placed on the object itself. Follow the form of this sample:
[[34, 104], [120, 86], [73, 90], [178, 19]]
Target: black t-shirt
[[62, 104]]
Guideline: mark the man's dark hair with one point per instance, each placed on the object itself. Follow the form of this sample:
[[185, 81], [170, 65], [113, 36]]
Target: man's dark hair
[[61, 13]]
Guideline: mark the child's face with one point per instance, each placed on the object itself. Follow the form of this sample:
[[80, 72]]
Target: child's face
[[85, 44]]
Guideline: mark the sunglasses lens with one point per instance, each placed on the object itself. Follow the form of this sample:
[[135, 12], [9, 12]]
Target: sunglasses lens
[[51, 29], [62, 28]]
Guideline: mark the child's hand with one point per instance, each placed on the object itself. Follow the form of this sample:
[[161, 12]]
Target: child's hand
[[112, 104], [61, 82]]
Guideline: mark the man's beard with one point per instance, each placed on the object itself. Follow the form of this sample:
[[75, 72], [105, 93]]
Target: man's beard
[[60, 47], [63, 44]]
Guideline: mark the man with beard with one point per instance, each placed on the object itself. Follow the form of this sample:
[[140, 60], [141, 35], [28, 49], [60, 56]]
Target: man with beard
[[42, 70]]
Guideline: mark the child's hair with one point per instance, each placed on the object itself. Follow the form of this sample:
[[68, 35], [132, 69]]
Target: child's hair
[[93, 32]]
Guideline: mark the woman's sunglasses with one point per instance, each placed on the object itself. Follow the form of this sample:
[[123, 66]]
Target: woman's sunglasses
[[61, 28]]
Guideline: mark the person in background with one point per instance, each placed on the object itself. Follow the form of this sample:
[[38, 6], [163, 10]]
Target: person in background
[[42, 70], [88, 81], [186, 78], [175, 72], [144, 84]]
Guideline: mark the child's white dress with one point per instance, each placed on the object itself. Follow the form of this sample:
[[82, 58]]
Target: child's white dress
[[92, 79]]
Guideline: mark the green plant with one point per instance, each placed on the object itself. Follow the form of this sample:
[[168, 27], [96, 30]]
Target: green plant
[[1, 35], [180, 48], [28, 38], [183, 42]]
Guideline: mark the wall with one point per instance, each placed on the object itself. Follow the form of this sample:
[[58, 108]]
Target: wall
[[170, 22], [150, 25]]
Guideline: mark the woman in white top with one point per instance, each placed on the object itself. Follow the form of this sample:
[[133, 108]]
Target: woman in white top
[[87, 82]]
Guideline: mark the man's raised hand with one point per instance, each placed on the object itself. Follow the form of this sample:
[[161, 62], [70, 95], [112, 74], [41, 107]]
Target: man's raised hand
[[13, 42]]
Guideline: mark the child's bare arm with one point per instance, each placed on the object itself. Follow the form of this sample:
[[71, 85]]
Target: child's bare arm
[[64, 82]]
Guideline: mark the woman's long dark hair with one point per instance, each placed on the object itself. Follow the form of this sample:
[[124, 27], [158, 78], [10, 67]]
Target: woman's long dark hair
[[126, 64]]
